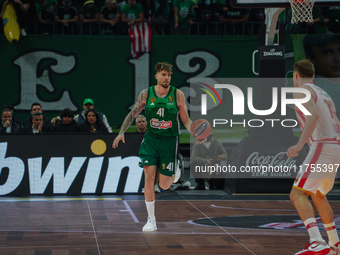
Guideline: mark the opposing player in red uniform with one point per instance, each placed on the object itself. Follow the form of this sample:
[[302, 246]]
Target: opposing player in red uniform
[[317, 173]]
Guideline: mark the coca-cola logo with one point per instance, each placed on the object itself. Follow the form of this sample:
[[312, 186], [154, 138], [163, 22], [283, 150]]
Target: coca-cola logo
[[280, 159]]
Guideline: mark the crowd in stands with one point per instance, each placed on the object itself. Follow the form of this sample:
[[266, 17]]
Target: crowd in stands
[[113, 17], [88, 121]]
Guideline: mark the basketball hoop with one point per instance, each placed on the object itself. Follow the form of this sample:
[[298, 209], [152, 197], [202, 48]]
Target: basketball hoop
[[302, 10]]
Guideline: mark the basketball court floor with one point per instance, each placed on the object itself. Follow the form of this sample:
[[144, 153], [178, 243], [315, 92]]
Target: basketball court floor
[[189, 222]]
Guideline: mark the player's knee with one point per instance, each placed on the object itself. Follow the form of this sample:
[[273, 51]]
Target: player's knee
[[293, 195], [296, 194], [149, 179]]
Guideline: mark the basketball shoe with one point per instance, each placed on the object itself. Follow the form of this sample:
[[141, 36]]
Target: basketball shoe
[[335, 250], [315, 248], [150, 225]]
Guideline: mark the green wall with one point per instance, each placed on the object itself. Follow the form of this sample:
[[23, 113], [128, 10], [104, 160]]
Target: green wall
[[44, 67]]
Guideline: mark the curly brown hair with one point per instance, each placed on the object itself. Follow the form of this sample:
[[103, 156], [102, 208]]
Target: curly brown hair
[[160, 66]]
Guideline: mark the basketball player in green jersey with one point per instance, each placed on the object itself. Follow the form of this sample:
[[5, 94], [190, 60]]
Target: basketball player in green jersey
[[163, 105]]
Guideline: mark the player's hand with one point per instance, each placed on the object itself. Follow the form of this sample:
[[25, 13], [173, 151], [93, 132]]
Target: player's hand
[[116, 141], [293, 151]]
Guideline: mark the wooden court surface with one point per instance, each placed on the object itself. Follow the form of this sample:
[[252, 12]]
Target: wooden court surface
[[112, 225]]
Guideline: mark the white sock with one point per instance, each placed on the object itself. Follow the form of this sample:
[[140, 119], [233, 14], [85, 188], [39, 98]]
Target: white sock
[[332, 233], [313, 229], [150, 208]]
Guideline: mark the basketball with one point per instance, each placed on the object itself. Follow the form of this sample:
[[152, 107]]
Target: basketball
[[200, 129]]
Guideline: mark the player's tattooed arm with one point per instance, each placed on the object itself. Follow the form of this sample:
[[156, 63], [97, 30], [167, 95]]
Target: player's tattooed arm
[[183, 110], [136, 110]]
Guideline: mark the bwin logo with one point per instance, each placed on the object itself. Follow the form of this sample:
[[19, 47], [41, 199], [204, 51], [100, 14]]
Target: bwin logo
[[204, 97]]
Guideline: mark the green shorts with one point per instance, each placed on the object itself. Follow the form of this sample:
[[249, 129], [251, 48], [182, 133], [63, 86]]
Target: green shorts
[[160, 151]]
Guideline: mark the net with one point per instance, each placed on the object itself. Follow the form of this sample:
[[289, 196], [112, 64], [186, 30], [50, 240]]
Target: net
[[302, 10]]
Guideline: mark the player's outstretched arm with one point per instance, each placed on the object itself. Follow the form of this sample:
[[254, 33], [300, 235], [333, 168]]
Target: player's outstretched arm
[[136, 110], [183, 110]]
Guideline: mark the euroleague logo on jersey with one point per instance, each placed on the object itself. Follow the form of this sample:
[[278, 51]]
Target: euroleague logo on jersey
[[160, 124]]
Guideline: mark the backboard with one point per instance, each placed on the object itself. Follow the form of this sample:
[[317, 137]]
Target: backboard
[[278, 3]]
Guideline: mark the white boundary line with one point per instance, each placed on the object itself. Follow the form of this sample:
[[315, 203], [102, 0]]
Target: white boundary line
[[225, 231], [128, 209], [94, 231]]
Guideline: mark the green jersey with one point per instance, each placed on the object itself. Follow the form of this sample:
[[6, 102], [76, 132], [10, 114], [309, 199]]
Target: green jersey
[[184, 8], [49, 6], [162, 113], [132, 13]]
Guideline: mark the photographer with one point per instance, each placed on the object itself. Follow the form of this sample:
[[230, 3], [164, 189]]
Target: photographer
[[208, 153]]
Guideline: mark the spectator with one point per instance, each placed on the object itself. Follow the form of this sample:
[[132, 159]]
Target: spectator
[[110, 15], [141, 124], [36, 107], [205, 14], [210, 153], [45, 12], [14, 118], [80, 118], [160, 17], [257, 16], [89, 15], [21, 9], [38, 125], [234, 19], [146, 7], [132, 14], [93, 124], [66, 16], [7, 125], [182, 16], [331, 16], [67, 123]]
